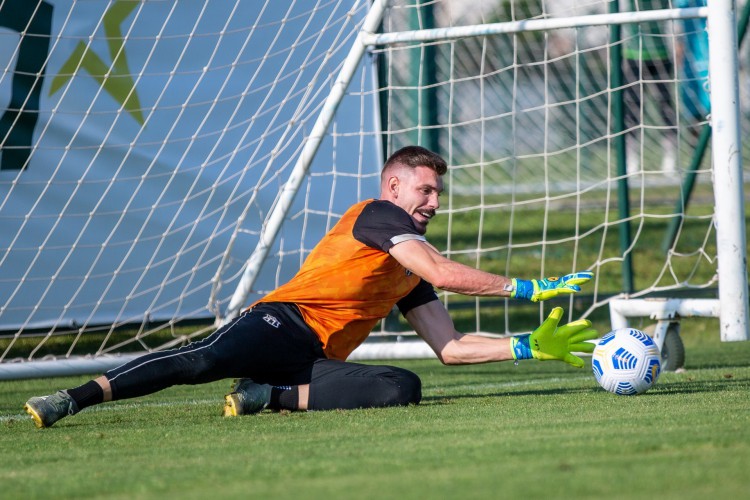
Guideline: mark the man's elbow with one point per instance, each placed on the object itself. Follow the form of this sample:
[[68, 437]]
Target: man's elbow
[[451, 360], [450, 356], [441, 281]]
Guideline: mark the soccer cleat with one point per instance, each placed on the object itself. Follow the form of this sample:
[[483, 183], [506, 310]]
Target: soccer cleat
[[46, 410], [246, 398]]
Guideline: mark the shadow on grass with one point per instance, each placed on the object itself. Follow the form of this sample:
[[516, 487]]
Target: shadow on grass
[[506, 369], [447, 398], [699, 386], [730, 384]]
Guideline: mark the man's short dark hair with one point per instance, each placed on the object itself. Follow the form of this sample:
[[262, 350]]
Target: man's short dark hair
[[416, 156]]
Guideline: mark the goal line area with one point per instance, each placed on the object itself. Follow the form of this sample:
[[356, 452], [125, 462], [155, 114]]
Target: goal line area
[[164, 165]]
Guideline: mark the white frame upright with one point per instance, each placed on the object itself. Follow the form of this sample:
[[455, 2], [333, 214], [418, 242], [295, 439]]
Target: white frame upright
[[727, 169], [732, 305]]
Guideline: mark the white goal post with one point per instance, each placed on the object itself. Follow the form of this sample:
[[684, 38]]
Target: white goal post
[[156, 145], [731, 307]]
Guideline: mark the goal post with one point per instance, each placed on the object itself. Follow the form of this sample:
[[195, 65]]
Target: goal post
[[731, 242], [186, 158], [731, 307]]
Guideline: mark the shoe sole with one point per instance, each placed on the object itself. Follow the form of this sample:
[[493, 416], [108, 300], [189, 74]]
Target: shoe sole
[[34, 416], [231, 405]]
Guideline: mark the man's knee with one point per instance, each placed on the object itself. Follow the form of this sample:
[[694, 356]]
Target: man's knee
[[407, 387], [199, 367]]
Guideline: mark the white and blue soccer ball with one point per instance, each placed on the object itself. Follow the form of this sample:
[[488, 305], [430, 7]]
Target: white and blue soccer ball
[[626, 361]]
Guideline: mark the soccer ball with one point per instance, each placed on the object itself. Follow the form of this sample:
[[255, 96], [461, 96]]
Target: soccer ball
[[626, 362]]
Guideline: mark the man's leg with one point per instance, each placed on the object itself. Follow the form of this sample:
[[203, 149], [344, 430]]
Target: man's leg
[[333, 385], [303, 395], [342, 385], [223, 354]]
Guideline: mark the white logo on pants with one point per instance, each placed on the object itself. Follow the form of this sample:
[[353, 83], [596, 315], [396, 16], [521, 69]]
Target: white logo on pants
[[271, 321]]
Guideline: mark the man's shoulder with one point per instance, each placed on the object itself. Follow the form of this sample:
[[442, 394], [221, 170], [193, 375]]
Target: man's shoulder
[[383, 214], [380, 223], [385, 208], [374, 212]]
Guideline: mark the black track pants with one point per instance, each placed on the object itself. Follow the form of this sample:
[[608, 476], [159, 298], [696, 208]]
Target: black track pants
[[342, 385], [270, 344]]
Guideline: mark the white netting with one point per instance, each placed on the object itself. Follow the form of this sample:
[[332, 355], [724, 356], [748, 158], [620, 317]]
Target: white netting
[[166, 130], [163, 133], [528, 122]]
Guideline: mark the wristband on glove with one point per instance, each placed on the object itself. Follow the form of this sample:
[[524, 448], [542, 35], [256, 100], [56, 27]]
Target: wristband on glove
[[522, 289], [520, 348]]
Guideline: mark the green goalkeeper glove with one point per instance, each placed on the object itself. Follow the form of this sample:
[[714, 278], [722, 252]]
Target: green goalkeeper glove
[[550, 342], [536, 290]]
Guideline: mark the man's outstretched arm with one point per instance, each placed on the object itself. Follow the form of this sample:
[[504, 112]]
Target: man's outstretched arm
[[550, 341], [432, 322], [425, 261]]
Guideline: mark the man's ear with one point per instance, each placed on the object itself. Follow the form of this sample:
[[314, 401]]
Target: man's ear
[[393, 186]]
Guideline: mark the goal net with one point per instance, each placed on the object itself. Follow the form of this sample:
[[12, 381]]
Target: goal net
[[165, 164]]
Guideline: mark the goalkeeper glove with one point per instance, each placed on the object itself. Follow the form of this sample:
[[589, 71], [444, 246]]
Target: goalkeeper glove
[[550, 342], [536, 290]]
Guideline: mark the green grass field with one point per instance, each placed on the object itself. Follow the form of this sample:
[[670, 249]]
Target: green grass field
[[537, 430]]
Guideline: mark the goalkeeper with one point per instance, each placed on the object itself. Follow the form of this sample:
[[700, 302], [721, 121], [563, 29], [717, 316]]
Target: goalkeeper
[[289, 350]]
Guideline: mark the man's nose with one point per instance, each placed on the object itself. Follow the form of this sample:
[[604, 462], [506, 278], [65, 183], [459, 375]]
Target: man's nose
[[435, 201]]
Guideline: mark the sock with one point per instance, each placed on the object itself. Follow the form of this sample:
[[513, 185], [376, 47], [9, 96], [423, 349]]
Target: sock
[[86, 395], [284, 398]]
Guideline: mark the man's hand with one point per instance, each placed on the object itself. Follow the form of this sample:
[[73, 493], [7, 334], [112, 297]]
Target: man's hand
[[552, 342], [536, 290]]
